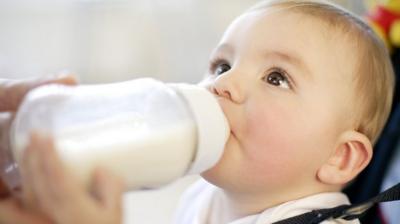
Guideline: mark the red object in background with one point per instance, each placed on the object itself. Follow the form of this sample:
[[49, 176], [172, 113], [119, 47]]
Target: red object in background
[[383, 17]]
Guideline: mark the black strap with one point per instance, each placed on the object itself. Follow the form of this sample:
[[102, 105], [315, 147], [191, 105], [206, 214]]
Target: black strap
[[346, 212]]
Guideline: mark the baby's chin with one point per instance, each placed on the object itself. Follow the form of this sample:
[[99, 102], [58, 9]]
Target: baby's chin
[[207, 174], [214, 176], [210, 176]]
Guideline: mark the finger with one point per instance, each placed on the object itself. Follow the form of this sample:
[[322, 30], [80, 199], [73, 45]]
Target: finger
[[108, 189], [59, 180], [58, 193], [11, 212], [61, 196], [37, 184], [28, 177], [40, 181], [13, 91]]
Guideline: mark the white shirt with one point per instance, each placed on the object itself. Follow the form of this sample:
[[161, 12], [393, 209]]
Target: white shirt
[[202, 204]]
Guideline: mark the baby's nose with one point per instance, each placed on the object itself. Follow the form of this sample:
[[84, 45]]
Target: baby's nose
[[229, 88]]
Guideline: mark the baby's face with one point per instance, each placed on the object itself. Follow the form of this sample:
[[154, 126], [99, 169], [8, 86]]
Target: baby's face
[[284, 81]]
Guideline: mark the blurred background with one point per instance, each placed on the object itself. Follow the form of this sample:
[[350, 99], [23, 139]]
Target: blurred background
[[115, 40]]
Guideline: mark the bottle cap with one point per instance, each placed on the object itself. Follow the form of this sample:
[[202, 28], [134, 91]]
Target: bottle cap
[[212, 126]]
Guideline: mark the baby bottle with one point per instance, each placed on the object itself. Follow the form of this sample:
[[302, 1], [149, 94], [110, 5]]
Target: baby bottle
[[147, 132]]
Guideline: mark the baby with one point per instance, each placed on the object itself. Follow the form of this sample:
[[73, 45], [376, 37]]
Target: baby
[[306, 88]]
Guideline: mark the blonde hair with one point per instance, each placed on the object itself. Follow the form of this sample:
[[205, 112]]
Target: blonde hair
[[374, 79]]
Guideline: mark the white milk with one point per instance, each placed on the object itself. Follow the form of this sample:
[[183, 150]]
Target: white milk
[[141, 159]]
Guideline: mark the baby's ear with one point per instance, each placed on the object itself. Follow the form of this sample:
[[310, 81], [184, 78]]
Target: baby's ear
[[352, 154]]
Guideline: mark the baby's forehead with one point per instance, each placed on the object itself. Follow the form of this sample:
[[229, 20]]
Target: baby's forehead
[[290, 18], [299, 33]]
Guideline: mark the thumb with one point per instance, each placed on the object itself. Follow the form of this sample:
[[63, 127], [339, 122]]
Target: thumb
[[107, 188], [13, 91]]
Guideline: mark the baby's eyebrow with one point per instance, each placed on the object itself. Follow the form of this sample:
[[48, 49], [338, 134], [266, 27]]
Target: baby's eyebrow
[[225, 49], [291, 59]]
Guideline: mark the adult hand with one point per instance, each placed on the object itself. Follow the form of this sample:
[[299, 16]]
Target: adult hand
[[58, 193], [12, 93], [12, 212]]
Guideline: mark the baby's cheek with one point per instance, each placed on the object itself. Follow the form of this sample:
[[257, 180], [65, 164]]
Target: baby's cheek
[[272, 143], [266, 133]]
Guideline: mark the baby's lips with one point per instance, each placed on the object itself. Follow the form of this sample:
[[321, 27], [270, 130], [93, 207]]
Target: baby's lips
[[224, 104]]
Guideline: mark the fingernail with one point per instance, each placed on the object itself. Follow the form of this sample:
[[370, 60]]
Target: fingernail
[[63, 74], [38, 136], [68, 76], [59, 75]]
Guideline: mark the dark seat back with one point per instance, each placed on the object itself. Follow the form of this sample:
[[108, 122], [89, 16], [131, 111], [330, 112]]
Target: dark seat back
[[368, 183]]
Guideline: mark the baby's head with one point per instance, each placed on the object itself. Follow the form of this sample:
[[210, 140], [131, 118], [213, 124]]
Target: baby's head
[[306, 88]]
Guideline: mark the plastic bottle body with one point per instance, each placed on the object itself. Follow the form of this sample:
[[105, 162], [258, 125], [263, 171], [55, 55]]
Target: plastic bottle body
[[141, 130]]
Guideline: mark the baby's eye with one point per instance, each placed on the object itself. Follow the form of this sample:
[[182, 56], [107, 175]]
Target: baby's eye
[[278, 78], [222, 68]]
